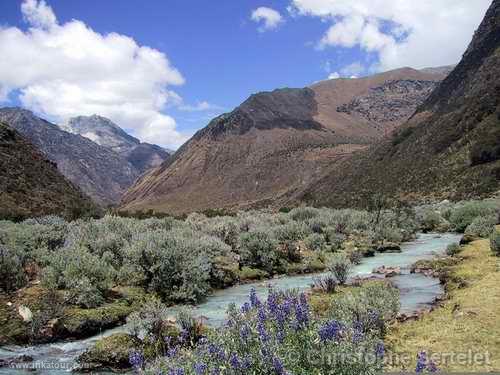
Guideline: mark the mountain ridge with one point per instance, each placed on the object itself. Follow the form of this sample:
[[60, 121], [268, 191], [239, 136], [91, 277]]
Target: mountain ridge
[[273, 143]]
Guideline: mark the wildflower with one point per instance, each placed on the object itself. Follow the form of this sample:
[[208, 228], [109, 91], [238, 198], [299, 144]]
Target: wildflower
[[431, 367], [254, 300], [200, 368], [244, 332], [172, 352], [380, 350], [278, 366], [330, 331], [302, 311], [234, 361], [136, 359], [245, 308], [421, 362], [263, 335], [215, 371], [246, 363]]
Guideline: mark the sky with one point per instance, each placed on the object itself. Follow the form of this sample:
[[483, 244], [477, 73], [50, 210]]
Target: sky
[[162, 69]]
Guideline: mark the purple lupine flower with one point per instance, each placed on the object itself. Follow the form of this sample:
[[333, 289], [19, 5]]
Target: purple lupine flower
[[200, 368], [245, 308], [380, 350], [254, 300], [286, 307], [136, 359], [215, 371], [172, 352], [263, 335], [179, 371], [272, 301], [235, 361], [246, 363], [330, 331], [244, 332], [421, 362], [278, 366], [216, 352], [280, 336], [262, 315], [431, 367], [302, 311]]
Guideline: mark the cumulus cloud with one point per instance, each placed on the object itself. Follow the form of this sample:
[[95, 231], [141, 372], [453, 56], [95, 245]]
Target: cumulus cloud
[[269, 18], [65, 70], [402, 33]]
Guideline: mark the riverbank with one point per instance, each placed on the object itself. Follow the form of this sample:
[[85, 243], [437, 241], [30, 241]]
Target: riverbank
[[465, 328]]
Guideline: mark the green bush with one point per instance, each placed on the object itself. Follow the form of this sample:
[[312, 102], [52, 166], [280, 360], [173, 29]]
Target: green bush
[[340, 266], [453, 249], [462, 216], [372, 305], [303, 213], [315, 242], [495, 243], [431, 221], [481, 226], [258, 250], [291, 231], [84, 276], [12, 275]]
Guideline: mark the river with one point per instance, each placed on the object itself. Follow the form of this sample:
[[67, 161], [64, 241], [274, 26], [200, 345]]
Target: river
[[417, 292]]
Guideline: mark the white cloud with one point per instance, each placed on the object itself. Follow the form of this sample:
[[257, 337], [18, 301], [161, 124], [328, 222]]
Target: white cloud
[[402, 32], [38, 14], [271, 18], [353, 70], [64, 70], [334, 75]]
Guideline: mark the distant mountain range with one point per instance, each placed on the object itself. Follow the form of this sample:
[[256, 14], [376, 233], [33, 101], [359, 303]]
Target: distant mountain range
[[31, 185], [280, 142], [104, 169], [104, 132]]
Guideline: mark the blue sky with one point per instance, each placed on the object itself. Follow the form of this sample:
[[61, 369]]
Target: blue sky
[[223, 55]]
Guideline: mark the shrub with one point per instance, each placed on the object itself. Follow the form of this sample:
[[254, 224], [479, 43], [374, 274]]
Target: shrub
[[258, 250], [481, 226], [431, 221], [335, 239], [341, 267], [464, 215], [495, 243], [371, 305], [326, 284], [154, 326], [84, 276], [292, 231], [453, 249], [303, 213], [12, 275], [315, 242]]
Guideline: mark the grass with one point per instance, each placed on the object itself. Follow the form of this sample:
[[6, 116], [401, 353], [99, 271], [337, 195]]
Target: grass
[[468, 322]]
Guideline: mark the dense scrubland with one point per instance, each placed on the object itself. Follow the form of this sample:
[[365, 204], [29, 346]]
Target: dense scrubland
[[77, 278]]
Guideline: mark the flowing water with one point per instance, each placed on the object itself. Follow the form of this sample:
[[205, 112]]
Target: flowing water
[[417, 292]]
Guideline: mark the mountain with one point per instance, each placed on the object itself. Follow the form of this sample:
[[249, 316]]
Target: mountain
[[280, 142], [104, 132], [31, 185], [98, 171], [450, 148]]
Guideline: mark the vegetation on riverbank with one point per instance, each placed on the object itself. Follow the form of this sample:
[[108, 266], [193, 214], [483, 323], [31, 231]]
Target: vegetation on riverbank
[[83, 262], [465, 329]]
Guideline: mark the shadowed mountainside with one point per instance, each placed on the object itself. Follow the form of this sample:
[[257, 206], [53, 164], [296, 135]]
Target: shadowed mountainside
[[31, 185], [449, 149]]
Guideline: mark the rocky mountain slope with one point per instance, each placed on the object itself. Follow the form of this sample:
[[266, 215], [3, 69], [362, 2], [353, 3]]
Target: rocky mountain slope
[[31, 185], [98, 171], [104, 132], [449, 149], [279, 142]]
